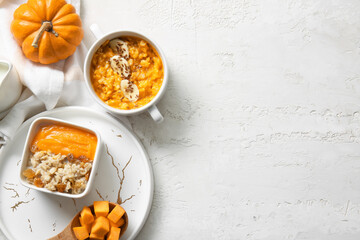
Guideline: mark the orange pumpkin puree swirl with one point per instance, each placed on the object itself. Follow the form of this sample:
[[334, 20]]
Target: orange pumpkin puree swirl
[[65, 140]]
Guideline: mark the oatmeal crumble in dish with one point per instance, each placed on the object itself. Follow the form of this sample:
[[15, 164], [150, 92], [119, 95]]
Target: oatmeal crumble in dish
[[57, 172], [61, 159]]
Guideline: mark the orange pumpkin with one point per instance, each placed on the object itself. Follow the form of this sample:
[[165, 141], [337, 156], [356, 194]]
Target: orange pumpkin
[[47, 30]]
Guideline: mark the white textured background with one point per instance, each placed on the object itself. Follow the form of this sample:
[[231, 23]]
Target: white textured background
[[262, 130]]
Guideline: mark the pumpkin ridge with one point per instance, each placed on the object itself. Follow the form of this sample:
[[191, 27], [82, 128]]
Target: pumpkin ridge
[[64, 31], [63, 39], [40, 7], [31, 34], [63, 11], [51, 45], [35, 12], [27, 20], [27, 41], [19, 23], [52, 49], [56, 22], [30, 21], [55, 52], [53, 7], [60, 55], [37, 23]]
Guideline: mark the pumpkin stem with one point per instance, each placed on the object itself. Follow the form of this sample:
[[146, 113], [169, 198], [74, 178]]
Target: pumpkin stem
[[45, 26]]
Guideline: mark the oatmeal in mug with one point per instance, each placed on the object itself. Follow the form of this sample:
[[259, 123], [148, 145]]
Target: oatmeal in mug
[[126, 73]]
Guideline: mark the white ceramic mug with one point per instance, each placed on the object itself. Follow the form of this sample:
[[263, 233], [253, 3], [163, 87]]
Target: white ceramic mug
[[10, 85], [151, 106]]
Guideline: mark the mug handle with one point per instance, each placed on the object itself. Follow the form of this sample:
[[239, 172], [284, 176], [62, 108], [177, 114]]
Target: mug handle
[[96, 31], [155, 114]]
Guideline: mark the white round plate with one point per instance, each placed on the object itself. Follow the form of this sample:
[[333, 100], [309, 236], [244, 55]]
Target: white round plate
[[31, 214]]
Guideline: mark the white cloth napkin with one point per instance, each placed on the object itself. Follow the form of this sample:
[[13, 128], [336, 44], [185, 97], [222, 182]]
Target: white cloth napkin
[[47, 86]]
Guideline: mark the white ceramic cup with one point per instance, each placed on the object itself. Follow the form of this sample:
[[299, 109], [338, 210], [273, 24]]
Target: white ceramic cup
[[10, 85], [151, 106]]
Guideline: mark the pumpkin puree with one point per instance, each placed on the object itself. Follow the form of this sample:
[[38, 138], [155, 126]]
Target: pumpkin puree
[[65, 140], [147, 73]]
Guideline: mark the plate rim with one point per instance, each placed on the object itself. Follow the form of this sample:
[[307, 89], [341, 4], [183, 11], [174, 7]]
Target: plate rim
[[108, 117]]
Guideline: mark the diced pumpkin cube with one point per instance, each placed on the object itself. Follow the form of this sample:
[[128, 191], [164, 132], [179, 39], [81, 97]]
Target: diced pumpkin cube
[[81, 233], [114, 233], [116, 214], [88, 226], [86, 215], [101, 208], [96, 237], [101, 226], [118, 223]]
